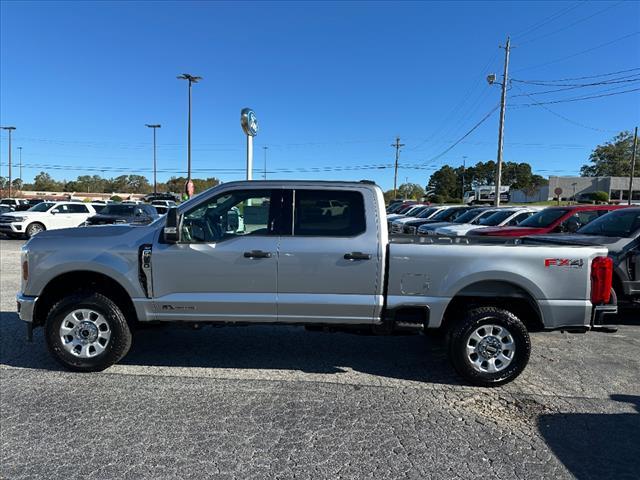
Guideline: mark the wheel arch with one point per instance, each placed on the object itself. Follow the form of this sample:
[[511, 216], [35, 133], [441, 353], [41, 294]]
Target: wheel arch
[[511, 297], [83, 280]]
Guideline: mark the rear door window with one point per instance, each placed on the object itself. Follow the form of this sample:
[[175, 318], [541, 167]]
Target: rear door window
[[328, 213]]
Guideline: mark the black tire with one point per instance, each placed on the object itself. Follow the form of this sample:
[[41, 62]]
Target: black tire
[[34, 228], [460, 336], [120, 336]]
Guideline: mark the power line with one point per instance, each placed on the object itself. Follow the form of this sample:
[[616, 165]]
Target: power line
[[545, 92], [582, 52], [566, 119], [571, 24], [548, 19], [625, 79], [590, 76], [465, 135], [576, 99]]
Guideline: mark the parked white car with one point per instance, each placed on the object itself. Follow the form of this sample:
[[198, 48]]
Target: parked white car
[[397, 225], [499, 218], [45, 216]]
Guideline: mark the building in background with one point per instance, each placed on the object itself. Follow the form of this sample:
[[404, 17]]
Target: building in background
[[579, 187]]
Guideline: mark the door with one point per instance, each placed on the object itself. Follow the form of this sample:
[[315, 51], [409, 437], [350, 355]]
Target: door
[[225, 268], [329, 269], [77, 213], [60, 217]]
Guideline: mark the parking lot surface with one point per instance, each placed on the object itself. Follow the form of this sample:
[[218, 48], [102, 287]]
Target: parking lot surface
[[280, 402]]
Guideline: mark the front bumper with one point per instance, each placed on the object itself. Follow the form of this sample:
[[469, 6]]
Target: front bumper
[[26, 307], [11, 228]]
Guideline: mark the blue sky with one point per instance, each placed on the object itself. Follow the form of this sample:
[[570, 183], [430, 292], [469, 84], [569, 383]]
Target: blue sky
[[332, 85]]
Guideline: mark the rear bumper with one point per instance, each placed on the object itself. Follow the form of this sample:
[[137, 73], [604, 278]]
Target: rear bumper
[[599, 314], [26, 307]]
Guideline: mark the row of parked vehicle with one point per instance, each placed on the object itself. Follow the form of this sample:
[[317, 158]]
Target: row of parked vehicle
[[21, 218], [616, 227]]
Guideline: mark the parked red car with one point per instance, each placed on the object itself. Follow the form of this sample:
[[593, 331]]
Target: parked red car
[[551, 220]]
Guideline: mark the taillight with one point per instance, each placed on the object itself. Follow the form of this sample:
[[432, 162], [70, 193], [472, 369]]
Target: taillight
[[601, 275]]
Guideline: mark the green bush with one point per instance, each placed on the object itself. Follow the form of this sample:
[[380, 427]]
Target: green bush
[[437, 199], [116, 198], [600, 197], [453, 200]]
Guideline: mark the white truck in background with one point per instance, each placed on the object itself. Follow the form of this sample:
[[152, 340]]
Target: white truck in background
[[486, 194]]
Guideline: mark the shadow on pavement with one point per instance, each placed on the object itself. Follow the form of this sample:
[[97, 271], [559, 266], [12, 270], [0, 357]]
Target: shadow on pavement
[[595, 446], [412, 357]]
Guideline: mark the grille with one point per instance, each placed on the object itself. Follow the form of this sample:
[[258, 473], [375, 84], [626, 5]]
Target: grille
[[410, 229]]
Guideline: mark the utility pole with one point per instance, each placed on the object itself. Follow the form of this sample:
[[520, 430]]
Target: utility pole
[[264, 175], [503, 104], [633, 163], [155, 183], [189, 185], [464, 168], [9, 129], [397, 146], [20, 150]]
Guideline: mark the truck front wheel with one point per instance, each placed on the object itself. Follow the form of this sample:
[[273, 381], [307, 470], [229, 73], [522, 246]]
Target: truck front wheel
[[87, 332], [489, 347]]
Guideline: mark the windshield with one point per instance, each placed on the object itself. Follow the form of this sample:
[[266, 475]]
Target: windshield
[[42, 207], [483, 215], [426, 212], [118, 209], [619, 223], [445, 214], [7, 201], [544, 218], [467, 216], [497, 218]]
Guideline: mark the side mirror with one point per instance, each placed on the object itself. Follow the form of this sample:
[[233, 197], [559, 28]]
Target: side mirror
[[173, 226], [54, 211]]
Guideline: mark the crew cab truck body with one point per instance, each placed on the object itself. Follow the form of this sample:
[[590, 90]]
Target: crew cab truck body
[[291, 264]]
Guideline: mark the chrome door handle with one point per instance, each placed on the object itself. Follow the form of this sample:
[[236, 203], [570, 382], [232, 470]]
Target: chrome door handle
[[257, 254], [357, 256]]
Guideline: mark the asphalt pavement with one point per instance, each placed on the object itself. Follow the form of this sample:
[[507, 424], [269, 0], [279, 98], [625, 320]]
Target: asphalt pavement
[[280, 402]]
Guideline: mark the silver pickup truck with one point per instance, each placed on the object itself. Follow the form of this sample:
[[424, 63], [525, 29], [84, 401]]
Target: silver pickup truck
[[290, 260]]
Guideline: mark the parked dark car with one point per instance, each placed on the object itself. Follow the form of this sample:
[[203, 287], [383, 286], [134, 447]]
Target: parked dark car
[[447, 215], [619, 231], [124, 213], [28, 204]]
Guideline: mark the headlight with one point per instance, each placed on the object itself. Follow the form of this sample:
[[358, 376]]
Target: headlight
[[18, 219]]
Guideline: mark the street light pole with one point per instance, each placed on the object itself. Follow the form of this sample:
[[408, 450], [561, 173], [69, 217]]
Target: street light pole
[[264, 175], [155, 183], [20, 151], [191, 79], [9, 129], [633, 164]]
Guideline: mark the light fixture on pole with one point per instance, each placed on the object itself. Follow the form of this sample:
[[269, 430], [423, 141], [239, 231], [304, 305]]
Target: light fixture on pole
[[249, 123], [9, 129], [189, 185], [155, 182]]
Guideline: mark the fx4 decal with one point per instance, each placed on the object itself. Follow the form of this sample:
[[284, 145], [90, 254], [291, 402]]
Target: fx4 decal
[[564, 262]]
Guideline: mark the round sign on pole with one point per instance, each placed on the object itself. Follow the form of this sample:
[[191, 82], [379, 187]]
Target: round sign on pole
[[249, 122], [558, 191]]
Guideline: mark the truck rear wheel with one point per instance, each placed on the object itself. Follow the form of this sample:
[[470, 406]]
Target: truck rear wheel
[[87, 332], [489, 347]]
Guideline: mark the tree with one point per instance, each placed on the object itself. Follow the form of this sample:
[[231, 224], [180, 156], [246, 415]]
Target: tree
[[447, 182], [612, 159], [444, 182], [43, 181], [17, 184], [411, 191]]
